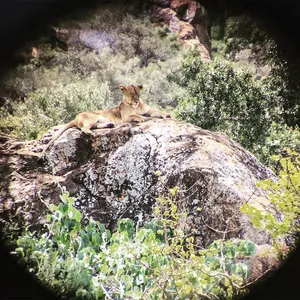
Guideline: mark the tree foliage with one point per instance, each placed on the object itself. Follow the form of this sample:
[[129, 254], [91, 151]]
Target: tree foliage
[[282, 217], [215, 96], [80, 259]]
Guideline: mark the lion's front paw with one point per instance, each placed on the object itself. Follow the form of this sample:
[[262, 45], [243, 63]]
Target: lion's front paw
[[146, 119]]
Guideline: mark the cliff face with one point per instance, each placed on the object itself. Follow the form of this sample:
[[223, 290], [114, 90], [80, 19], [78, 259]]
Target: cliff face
[[188, 18], [119, 172]]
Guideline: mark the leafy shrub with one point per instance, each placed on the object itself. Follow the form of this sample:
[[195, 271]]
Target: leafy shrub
[[83, 260], [249, 32], [242, 30], [284, 81], [282, 219], [233, 32], [244, 26], [217, 97], [278, 137], [48, 107], [145, 40]]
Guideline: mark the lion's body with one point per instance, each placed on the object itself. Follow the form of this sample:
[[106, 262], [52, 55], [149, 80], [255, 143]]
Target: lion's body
[[131, 109]]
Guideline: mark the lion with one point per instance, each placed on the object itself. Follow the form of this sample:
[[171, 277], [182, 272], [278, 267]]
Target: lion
[[130, 109]]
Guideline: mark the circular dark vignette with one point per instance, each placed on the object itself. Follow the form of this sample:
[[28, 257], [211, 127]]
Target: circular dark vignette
[[23, 20]]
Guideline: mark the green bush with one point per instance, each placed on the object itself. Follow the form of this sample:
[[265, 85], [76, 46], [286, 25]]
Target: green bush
[[278, 137], [250, 33], [83, 260], [215, 96], [284, 81], [246, 27], [46, 107], [241, 30], [281, 220]]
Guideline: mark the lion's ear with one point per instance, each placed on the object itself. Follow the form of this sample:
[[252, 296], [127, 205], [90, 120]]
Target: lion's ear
[[140, 87], [123, 88]]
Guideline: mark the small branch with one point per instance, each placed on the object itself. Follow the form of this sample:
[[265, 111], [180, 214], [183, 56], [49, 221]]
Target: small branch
[[105, 292], [291, 181], [41, 199], [220, 231], [204, 296], [256, 279]]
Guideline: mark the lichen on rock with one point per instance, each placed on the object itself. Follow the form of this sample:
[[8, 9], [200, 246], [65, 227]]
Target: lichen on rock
[[119, 172]]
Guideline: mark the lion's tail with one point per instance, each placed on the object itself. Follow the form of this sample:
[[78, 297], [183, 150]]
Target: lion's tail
[[57, 135]]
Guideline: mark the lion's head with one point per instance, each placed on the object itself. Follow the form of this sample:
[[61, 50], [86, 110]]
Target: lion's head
[[131, 94]]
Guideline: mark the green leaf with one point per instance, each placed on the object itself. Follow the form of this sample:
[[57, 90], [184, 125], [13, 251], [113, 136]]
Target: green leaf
[[53, 207], [20, 250], [81, 293], [96, 241], [64, 207]]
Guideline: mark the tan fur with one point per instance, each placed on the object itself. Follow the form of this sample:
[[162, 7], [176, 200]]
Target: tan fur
[[130, 109], [34, 52]]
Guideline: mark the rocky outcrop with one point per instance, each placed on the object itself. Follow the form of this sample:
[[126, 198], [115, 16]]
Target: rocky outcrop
[[75, 38], [188, 19], [119, 172]]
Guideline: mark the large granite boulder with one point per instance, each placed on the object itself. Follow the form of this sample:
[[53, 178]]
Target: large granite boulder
[[119, 172]]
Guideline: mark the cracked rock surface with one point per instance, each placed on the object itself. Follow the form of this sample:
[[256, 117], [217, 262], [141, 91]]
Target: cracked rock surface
[[119, 172]]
